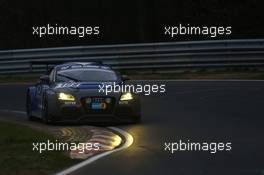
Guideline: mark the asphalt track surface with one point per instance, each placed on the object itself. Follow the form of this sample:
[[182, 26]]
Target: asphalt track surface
[[200, 111]]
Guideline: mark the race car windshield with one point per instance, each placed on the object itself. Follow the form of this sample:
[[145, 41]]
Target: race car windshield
[[85, 75]]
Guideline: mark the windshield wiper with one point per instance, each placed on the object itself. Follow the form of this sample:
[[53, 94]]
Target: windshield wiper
[[68, 77]]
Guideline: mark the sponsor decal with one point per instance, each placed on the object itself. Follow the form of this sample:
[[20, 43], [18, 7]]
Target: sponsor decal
[[67, 85]]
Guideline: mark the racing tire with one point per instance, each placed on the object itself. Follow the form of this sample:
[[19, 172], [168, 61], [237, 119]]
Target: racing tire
[[45, 112], [28, 108]]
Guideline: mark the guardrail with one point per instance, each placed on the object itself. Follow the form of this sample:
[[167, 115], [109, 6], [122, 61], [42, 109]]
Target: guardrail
[[142, 57]]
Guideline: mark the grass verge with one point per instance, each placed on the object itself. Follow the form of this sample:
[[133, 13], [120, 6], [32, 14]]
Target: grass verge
[[18, 158]]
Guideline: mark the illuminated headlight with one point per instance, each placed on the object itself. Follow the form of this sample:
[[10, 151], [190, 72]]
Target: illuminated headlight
[[127, 96], [66, 97]]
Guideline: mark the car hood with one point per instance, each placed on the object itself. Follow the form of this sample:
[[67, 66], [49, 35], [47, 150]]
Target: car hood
[[82, 89], [82, 85]]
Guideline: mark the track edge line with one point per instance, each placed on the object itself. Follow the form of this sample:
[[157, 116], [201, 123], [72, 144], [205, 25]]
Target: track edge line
[[128, 143]]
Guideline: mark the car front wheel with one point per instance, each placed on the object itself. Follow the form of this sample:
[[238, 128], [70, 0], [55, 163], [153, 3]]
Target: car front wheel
[[29, 108], [45, 112]]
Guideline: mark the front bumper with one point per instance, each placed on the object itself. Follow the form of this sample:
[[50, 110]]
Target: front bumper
[[126, 111]]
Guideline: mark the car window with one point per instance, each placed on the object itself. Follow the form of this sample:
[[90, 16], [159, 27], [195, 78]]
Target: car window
[[86, 75]]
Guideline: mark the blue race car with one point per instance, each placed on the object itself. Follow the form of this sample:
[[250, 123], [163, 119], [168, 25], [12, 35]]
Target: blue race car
[[71, 92]]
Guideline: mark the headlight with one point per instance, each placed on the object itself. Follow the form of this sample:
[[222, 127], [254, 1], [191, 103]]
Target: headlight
[[127, 96], [66, 97]]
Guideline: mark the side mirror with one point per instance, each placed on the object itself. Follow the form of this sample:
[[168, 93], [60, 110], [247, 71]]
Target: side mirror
[[44, 79], [125, 78]]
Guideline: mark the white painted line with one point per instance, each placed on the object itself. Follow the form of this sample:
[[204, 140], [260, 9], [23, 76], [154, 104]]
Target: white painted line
[[13, 111], [16, 83], [200, 80], [128, 143]]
